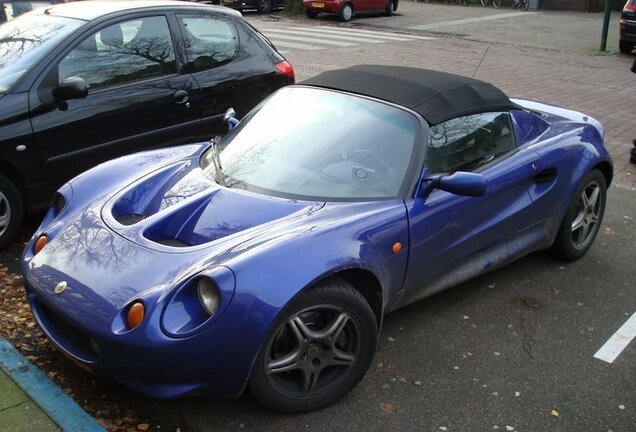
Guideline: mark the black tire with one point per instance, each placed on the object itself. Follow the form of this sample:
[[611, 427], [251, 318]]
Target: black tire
[[330, 322], [497, 3], [572, 242], [388, 10], [526, 5], [11, 210], [484, 2], [311, 14], [264, 6], [625, 47], [346, 12]]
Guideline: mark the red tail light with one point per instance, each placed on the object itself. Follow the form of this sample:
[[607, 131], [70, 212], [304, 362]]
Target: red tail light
[[285, 68]]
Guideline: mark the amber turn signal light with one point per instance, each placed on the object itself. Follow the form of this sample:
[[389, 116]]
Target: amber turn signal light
[[135, 315], [40, 243], [397, 247]]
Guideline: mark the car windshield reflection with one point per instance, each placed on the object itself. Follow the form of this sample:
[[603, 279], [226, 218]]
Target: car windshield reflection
[[25, 40], [316, 144]]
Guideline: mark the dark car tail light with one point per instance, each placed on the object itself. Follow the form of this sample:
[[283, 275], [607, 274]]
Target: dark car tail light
[[285, 68]]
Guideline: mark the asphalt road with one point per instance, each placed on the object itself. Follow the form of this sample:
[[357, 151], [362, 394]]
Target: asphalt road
[[509, 351]]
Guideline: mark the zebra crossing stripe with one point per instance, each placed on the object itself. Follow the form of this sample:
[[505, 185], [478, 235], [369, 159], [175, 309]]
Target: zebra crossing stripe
[[313, 40], [285, 44], [322, 37], [362, 33]]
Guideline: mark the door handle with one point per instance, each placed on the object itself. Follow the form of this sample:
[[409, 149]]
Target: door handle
[[181, 96], [545, 176]]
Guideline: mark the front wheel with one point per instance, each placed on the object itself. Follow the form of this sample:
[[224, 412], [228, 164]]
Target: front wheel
[[497, 3], [317, 351], [583, 218], [388, 10], [484, 2], [346, 12], [11, 208], [265, 6]]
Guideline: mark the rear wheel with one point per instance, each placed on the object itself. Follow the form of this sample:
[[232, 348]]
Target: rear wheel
[[317, 351], [583, 218], [497, 3], [346, 12], [311, 14], [625, 47], [484, 2], [388, 10], [11, 208]]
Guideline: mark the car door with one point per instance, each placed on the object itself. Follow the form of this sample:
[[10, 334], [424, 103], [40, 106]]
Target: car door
[[137, 97], [457, 237], [226, 66]]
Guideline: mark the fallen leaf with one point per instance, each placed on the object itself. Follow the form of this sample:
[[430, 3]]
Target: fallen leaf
[[143, 427], [554, 413], [388, 408]]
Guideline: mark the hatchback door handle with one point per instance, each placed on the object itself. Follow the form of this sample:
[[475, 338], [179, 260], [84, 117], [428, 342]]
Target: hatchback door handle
[[181, 96]]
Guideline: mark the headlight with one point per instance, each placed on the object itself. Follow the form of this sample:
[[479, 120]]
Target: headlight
[[198, 302], [208, 296]]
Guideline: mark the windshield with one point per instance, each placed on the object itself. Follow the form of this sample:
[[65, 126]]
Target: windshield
[[26, 39], [317, 144]]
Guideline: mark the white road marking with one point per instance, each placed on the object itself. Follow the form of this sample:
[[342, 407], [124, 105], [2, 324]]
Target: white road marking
[[618, 342], [472, 20], [311, 40], [347, 32], [273, 32], [279, 43]]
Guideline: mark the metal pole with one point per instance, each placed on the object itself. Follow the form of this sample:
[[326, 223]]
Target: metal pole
[[606, 20]]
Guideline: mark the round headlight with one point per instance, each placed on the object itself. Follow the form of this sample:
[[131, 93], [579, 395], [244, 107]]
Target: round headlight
[[208, 296]]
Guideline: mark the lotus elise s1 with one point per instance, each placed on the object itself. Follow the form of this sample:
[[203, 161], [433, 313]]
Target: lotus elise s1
[[267, 258]]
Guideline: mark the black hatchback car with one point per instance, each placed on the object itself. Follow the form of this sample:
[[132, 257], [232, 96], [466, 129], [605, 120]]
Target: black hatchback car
[[84, 82], [627, 27]]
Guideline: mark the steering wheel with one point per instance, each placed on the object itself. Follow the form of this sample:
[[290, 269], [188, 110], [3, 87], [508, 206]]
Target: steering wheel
[[377, 158]]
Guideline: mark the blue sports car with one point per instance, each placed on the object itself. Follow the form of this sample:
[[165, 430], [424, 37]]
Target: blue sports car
[[267, 258]]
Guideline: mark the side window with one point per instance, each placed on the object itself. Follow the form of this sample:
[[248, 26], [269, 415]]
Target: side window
[[121, 53], [469, 142], [210, 41]]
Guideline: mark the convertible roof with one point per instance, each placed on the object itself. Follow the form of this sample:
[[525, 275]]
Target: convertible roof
[[437, 96]]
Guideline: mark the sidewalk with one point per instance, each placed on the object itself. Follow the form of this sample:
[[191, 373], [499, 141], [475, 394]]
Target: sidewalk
[[30, 401], [18, 412]]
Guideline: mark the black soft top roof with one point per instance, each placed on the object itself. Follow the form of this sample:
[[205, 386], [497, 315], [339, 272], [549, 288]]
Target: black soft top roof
[[437, 96]]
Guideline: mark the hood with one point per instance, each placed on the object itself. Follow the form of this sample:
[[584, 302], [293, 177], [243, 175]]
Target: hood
[[179, 206]]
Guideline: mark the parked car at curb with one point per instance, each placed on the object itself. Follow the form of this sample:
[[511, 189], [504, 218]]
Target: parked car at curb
[[268, 258], [10, 9], [345, 9], [627, 27], [263, 6], [84, 82]]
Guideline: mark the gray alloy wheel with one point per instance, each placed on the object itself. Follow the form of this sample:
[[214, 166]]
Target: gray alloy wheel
[[264, 6], [346, 13], [583, 219], [10, 212], [317, 351]]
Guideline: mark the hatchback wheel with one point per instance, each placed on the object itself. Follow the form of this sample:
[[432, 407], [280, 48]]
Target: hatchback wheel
[[311, 14], [388, 10], [264, 6], [10, 212], [317, 351], [625, 47], [346, 12]]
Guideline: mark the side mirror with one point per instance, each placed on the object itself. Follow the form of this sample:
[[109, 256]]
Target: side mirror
[[461, 183], [71, 88], [230, 118]]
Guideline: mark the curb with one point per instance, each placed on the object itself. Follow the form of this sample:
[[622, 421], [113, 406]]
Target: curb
[[63, 410]]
